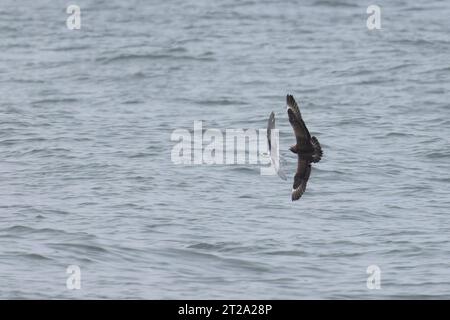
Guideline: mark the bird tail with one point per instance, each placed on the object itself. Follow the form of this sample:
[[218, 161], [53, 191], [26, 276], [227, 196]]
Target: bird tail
[[317, 154]]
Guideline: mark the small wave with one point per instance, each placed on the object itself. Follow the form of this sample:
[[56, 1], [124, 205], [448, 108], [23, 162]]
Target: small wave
[[19, 230], [177, 49], [398, 134], [244, 169], [219, 102], [292, 253], [438, 154], [416, 42], [49, 151], [247, 196], [35, 257], [206, 246], [27, 80], [352, 121], [132, 101], [401, 66], [68, 48], [335, 4], [10, 142], [441, 69], [141, 155], [151, 57], [229, 262], [81, 246], [55, 101]]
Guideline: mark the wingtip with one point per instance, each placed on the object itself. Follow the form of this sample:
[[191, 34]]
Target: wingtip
[[290, 101], [298, 192]]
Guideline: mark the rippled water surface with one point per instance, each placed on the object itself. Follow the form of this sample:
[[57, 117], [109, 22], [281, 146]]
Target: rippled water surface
[[87, 179]]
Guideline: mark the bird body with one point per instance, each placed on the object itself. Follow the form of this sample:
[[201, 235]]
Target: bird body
[[307, 148]]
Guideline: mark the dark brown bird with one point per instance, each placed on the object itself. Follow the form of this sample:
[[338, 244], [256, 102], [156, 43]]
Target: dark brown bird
[[307, 148]]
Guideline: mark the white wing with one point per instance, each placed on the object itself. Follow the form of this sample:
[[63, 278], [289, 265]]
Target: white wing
[[275, 155]]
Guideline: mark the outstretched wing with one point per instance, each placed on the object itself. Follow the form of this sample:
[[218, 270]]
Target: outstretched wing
[[270, 126], [301, 178], [295, 118], [273, 148]]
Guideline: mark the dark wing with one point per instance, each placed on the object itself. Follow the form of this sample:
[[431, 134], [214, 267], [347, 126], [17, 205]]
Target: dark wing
[[301, 178], [270, 126], [293, 105], [295, 118], [317, 153]]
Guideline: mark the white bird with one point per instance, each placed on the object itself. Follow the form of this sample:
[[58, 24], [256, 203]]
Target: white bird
[[274, 152]]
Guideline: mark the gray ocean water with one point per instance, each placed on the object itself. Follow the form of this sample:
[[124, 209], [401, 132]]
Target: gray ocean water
[[87, 179]]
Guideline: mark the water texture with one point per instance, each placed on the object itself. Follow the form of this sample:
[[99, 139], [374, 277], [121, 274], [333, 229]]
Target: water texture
[[87, 179]]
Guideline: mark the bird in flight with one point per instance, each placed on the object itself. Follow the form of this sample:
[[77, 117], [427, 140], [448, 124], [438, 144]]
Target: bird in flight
[[273, 148], [307, 148]]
